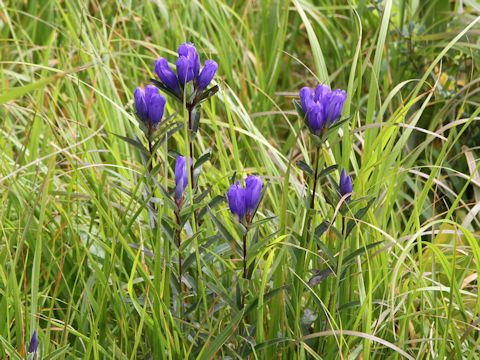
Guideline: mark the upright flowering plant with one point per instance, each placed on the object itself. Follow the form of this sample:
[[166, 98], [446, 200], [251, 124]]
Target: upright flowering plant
[[189, 86], [243, 202], [149, 107], [320, 108], [190, 82], [33, 346]]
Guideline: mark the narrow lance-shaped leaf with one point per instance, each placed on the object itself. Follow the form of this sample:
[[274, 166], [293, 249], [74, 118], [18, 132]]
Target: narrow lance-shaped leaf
[[359, 215]]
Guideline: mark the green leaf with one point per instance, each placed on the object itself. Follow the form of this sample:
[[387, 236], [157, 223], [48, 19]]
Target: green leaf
[[166, 90], [327, 171], [359, 215], [195, 119], [207, 94], [210, 349], [203, 159], [319, 277], [226, 235], [136, 143], [213, 203], [302, 165]]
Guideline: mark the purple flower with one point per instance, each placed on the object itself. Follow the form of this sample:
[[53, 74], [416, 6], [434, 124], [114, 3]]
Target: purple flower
[[236, 200], [184, 70], [167, 75], [32, 348], [188, 69], [208, 72], [244, 201], [345, 185], [253, 190], [181, 176], [188, 51], [149, 105], [322, 107]]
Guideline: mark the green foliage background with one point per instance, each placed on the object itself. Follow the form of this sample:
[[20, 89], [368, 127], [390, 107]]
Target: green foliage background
[[73, 216]]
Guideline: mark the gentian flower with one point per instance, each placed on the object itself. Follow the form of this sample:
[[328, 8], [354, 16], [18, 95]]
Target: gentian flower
[[236, 200], [322, 107], [149, 105], [188, 70], [244, 201], [345, 185], [181, 176], [32, 348], [166, 74], [207, 74], [253, 190]]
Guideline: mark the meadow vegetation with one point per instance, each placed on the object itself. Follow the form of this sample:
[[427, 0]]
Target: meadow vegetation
[[90, 224]]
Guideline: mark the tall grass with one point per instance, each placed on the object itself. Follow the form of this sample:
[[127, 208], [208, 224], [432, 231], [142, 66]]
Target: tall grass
[[74, 219]]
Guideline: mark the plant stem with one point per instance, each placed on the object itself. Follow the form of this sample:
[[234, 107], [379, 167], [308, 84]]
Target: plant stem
[[314, 190], [245, 255], [150, 171], [190, 109], [180, 272], [338, 274]]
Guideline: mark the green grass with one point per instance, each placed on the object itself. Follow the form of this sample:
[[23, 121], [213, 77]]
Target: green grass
[[74, 218]]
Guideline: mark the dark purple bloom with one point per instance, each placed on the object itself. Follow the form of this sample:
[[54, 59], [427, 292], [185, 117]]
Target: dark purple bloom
[[140, 104], [244, 201], [322, 107], [184, 70], [167, 75], [149, 105], [236, 200], [188, 50], [253, 190], [345, 185], [188, 69], [33, 342], [208, 72], [181, 176]]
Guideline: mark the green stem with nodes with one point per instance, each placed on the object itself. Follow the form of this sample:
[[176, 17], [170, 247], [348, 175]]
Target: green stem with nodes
[[303, 260], [188, 139], [244, 241], [314, 190], [180, 273], [190, 109], [338, 271], [150, 171], [245, 255]]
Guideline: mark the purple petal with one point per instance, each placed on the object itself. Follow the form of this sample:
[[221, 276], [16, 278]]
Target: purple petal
[[207, 74], [236, 200], [150, 90], [156, 108], [253, 190], [184, 70], [166, 75], [345, 184], [316, 117], [335, 106], [33, 342], [322, 94], [189, 51], [181, 176], [306, 99], [140, 104]]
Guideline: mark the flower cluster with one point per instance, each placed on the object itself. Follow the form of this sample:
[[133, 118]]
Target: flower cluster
[[322, 107], [244, 201], [319, 107], [149, 105], [188, 70]]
